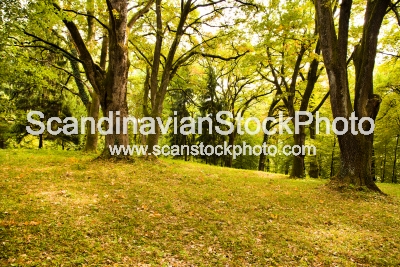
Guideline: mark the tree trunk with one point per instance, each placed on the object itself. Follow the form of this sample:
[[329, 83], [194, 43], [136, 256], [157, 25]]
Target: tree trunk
[[113, 97], [394, 174], [355, 166], [314, 166], [2, 144], [40, 141], [152, 139], [298, 161], [384, 166], [287, 166], [261, 162], [231, 142], [93, 111], [373, 165], [268, 126], [298, 170]]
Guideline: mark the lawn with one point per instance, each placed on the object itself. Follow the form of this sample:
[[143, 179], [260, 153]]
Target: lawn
[[64, 209]]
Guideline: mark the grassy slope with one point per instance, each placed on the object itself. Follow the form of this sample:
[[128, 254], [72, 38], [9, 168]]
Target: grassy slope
[[62, 209]]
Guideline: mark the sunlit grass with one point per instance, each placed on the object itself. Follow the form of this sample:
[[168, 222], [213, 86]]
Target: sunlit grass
[[63, 209]]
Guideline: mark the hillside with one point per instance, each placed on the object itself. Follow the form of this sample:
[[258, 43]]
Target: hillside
[[63, 209]]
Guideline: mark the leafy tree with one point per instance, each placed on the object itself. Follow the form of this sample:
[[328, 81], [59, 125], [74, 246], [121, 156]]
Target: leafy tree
[[292, 64], [179, 39], [210, 105], [356, 150]]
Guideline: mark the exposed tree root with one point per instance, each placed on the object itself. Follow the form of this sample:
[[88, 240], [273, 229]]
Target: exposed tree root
[[345, 185]]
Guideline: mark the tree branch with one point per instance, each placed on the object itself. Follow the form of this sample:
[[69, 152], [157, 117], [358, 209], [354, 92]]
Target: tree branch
[[53, 45], [396, 12], [221, 57], [87, 15], [321, 103], [140, 13]]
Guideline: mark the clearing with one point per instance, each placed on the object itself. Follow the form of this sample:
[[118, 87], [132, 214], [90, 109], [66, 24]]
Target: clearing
[[63, 209]]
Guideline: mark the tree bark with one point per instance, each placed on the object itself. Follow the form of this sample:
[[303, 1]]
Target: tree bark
[[356, 150], [93, 111], [298, 168]]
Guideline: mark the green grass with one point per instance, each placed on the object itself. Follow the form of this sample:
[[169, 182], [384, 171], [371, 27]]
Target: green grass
[[63, 209]]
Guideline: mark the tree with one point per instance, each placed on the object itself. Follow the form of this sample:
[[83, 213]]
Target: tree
[[210, 105], [269, 125], [180, 108], [109, 83], [178, 40], [292, 62], [356, 150], [240, 88]]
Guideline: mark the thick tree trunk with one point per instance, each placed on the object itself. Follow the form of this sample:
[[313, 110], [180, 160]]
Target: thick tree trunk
[[110, 85], [356, 150], [116, 82], [298, 161], [355, 166], [115, 138]]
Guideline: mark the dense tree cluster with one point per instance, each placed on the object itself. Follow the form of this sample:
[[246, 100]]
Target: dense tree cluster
[[195, 58]]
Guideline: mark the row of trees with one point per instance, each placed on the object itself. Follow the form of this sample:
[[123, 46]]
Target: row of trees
[[153, 57]]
